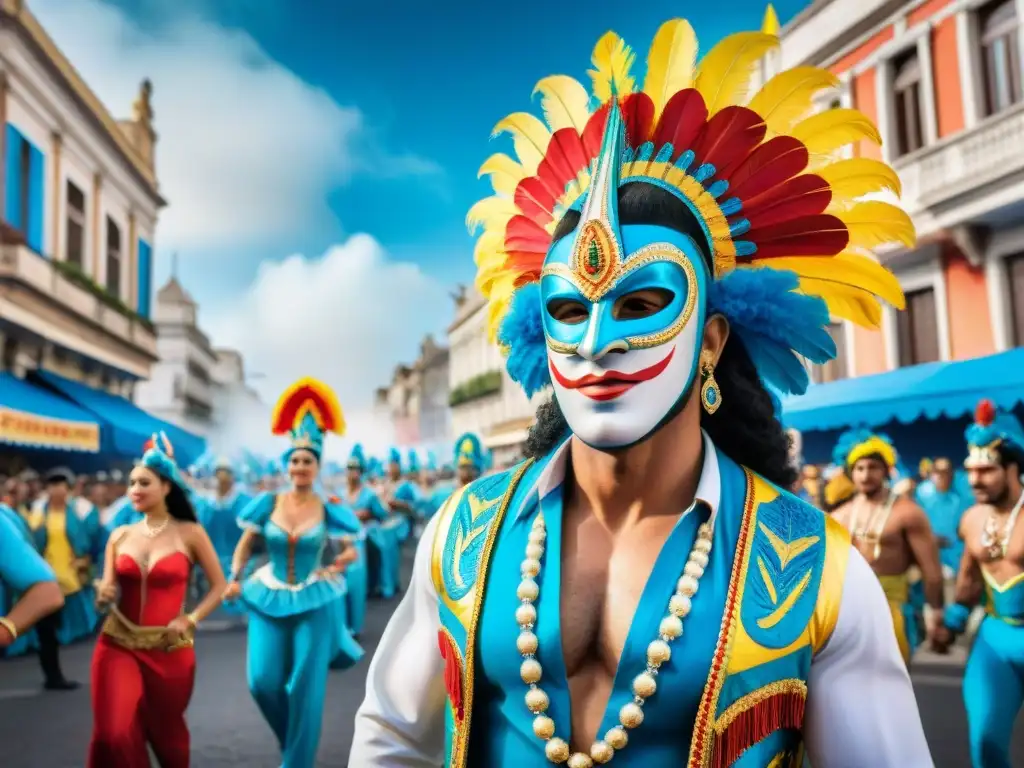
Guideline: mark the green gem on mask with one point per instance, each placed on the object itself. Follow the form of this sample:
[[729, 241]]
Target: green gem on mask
[[593, 258]]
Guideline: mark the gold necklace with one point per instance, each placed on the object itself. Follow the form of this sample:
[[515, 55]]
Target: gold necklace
[[996, 542], [152, 531], [644, 685]]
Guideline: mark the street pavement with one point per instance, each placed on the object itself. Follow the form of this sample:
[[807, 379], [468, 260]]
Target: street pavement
[[51, 730]]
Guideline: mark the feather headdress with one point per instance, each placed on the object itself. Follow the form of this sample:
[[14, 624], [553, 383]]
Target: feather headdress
[[992, 429], [159, 457], [861, 443], [784, 214], [306, 411]]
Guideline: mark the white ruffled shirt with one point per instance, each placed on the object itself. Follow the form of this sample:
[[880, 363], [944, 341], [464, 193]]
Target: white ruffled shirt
[[861, 710]]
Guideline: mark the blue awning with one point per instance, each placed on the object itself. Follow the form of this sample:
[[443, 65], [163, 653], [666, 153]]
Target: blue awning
[[36, 418], [129, 426], [928, 391]]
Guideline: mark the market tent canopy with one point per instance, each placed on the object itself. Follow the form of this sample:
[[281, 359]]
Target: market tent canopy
[[130, 426], [928, 391], [36, 418]]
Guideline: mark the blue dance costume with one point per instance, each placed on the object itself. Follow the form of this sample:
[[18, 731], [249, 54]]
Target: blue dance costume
[[370, 537], [21, 567], [994, 676], [296, 611]]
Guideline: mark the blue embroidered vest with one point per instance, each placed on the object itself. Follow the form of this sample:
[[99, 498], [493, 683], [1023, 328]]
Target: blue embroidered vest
[[772, 585]]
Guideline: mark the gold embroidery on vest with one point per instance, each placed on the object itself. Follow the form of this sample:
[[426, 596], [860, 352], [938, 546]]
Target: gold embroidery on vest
[[785, 551]]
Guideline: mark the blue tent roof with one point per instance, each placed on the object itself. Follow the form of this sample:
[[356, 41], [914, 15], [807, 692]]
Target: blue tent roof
[[927, 391], [21, 396], [129, 427]]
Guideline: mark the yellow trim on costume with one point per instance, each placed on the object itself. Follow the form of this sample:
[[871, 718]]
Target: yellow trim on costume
[[460, 742], [833, 577], [874, 445], [1010, 583]]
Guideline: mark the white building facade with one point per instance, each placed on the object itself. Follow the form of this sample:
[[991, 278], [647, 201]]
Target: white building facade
[[241, 418], [180, 388], [79, 201], [483, 398]]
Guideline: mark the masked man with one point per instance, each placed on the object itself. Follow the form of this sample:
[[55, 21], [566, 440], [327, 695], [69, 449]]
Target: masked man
[[892, 533], [993, 564], [643, 585]]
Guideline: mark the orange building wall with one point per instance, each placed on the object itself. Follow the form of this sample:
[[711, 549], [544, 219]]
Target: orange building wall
[[865, 93], [949, 100], [868, 351], [925, 11], [970, 324], [856, 56]]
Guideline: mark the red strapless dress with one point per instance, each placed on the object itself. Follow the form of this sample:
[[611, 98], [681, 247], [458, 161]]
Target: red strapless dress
[[140, 696]]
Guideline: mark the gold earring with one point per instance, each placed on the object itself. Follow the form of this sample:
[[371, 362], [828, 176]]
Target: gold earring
[[710, 394]]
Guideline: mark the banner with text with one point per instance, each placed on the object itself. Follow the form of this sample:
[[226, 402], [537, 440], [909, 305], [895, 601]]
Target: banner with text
[[29, 429]]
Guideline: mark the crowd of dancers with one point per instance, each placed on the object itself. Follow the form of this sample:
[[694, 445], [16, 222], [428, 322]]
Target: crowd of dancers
[[298, 562]]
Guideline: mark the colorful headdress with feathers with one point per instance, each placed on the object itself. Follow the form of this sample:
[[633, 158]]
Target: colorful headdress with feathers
[[413, 461], [357, 459], [306, 411], [858, 444], [992, 429], [469, 452], [787, 227], [159, 457], [431, 462], [395, 456]]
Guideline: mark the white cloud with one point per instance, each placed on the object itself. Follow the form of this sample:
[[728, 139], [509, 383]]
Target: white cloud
[[247, 150], [344, 318]]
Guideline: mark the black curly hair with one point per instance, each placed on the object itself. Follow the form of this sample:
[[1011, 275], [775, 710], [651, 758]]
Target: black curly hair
[[745, 428]]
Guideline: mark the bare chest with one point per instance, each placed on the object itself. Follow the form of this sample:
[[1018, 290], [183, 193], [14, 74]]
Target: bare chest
[[603, 580], [985, 538]]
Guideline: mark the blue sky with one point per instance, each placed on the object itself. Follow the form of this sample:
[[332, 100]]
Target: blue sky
[[433, 85], [319, 156]]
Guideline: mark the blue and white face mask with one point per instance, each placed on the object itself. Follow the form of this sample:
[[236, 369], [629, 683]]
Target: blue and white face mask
[[624, 309]]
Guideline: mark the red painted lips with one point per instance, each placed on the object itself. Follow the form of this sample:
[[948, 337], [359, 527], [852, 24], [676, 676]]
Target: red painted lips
[[611, 384]]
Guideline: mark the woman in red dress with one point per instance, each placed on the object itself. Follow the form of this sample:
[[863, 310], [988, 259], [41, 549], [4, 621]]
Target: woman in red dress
[[144, 664]]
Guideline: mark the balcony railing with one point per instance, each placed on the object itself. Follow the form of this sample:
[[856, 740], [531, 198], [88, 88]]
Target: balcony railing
[[18, 263], [941, 172]]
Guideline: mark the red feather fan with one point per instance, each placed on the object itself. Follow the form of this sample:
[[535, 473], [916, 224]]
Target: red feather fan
[[681, 121], [730, 135]]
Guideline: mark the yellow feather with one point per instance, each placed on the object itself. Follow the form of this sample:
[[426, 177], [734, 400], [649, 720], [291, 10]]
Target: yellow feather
[[530, 138], [499, 298], [612, 60], [565, 102], [789, 96], [505, 173], [849, 269], [828, 131], [845, 301], [851, 179], [670, 62], [873, 223], [723, 77], [490, 213]]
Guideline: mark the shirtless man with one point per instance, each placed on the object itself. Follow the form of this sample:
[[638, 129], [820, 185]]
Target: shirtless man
[[643, 590], [993, 562], [893, 534]]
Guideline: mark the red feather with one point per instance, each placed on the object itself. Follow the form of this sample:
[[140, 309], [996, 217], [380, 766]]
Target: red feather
[[985, 413], [151, 443], [729, 137], [772, 163], [806, 195], [594, 132], [638, 115], [681, 121], [533, 198], [822, 235], [523, 234], [564, 159]]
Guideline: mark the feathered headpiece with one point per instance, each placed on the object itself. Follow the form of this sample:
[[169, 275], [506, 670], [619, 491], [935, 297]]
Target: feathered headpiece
[[395, 456], [860, 443], [413, 461], [159, 457], [306, 411], [431, 462], [469, 452], [991, 430], [357, 459], [786, 225]]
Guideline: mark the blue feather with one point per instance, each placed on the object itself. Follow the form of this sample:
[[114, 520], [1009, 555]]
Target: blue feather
[[522, 333], [775, 323], [664, 154]]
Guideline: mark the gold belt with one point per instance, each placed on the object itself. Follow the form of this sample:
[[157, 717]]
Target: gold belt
[[896, 587], [130, 635]]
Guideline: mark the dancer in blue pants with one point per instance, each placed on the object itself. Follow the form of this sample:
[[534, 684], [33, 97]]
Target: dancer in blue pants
[[296, 626]]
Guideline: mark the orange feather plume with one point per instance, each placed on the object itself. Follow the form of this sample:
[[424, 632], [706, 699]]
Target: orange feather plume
[[310, 396], [985, 413]]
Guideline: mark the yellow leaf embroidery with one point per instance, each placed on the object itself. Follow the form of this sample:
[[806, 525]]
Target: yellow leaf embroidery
[[786, 551], [766, 577], [779, 613]]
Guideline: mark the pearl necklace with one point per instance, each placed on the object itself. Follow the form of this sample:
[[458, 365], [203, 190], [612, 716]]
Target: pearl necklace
[[644, 685], [152, 531]]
